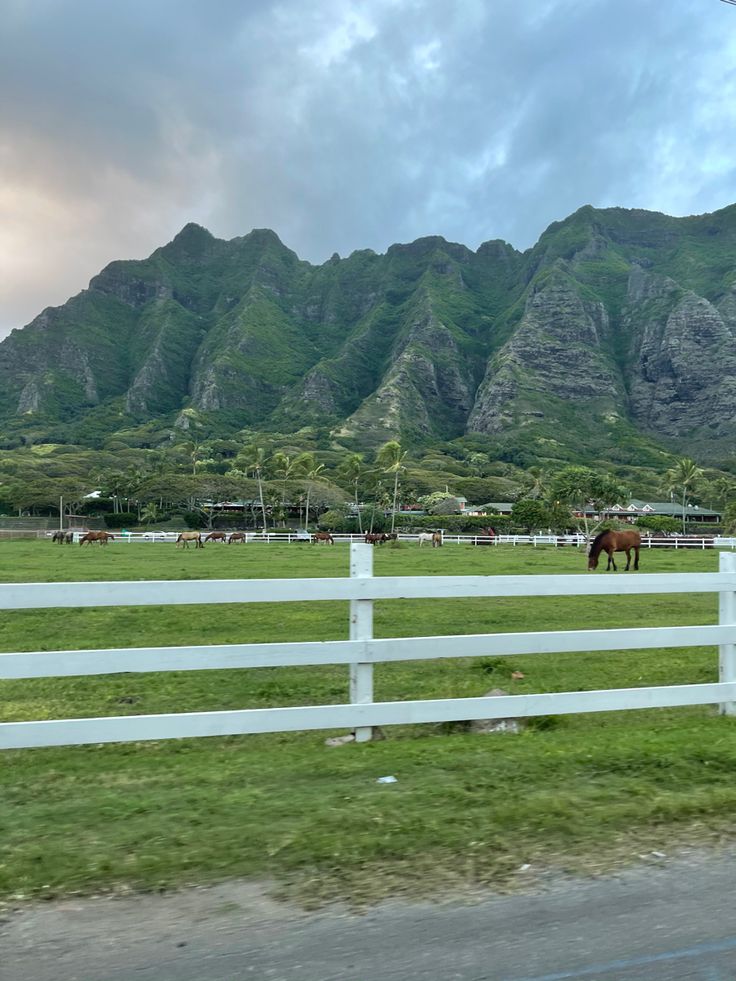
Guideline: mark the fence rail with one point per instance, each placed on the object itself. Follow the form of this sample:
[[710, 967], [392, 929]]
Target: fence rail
[[558, 541], [362, 651]]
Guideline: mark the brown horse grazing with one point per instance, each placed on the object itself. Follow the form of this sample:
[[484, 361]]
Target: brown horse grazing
[[216, 536], [615, 541], [103, 537], [378, 537], [190, 536], [323, 536], [237, 536]]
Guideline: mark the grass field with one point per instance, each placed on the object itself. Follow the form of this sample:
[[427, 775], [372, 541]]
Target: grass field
[[466, 810]]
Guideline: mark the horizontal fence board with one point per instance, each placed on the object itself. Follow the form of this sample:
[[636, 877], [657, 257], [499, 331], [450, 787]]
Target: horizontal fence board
[[44, 664], [141, 728], [16, 596]]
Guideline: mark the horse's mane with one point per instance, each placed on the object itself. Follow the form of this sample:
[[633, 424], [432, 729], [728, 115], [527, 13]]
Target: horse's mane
[[597, 543]]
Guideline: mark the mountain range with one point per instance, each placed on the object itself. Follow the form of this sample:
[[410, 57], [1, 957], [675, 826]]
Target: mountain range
[[614, 335]]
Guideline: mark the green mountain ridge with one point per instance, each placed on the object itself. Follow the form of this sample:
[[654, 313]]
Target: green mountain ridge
[[617, 328]]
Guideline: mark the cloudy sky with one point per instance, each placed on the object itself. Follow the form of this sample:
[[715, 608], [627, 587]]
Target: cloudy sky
[[346, 125]]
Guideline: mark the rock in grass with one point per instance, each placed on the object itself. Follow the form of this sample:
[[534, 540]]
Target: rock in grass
[[483, 726], [378, 734], [340, 740]]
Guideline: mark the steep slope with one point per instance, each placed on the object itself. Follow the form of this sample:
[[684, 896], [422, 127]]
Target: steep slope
[[615, 334]]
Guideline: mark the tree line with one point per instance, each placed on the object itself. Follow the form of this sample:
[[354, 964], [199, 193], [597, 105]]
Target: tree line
[[195, 480]]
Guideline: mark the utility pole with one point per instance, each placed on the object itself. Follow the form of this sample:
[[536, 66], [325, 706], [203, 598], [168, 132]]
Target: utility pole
[[61, 514]]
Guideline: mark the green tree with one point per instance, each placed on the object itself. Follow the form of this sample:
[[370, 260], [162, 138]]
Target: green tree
[[535, 483], [530, 514], [253, 459], [440, 502], [479, 464], [390, 459], [312, 476], [46, 494], [582, 488], [352, 470], [283, 467], [151, 513], [723, 490], [683, 479]]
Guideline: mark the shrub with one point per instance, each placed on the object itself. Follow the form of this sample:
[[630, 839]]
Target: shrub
[[658, 522], [120, 520], [334, 520], [457, 524], [194, 519]]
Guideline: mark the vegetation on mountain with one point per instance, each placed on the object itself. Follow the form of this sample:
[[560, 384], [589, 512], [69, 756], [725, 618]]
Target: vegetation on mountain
[[610, 345]]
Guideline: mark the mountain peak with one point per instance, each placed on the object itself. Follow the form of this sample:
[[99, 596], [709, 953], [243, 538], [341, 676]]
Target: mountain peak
[[192, 240]]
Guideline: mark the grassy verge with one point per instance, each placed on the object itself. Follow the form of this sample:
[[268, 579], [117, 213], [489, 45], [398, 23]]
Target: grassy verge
[[466, 809]]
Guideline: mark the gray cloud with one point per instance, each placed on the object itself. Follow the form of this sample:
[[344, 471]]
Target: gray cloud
[[346, 125]]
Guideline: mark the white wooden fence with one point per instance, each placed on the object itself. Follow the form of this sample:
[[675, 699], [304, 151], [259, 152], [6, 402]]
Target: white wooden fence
[[362, 651], [558, 541]]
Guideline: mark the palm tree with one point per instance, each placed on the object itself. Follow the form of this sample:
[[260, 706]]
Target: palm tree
[[150, 513], [352, 470], [723, 489], [683, 478], [254, 459], [311, 470], [283, 466], [109, 482], [390, 458], [536, 483]]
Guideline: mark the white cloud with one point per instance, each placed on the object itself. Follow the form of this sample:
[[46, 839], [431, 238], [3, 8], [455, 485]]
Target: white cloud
[[346, 125]]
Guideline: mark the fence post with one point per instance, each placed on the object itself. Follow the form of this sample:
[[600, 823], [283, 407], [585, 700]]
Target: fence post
[[727, 615], [361, 628]]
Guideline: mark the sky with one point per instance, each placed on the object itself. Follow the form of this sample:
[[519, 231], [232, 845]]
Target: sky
[[346, 125]]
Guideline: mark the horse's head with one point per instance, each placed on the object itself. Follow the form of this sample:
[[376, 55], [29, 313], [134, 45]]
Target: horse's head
[[592, 562]]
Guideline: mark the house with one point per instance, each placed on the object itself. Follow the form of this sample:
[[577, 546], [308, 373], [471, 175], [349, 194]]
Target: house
[[497, 507], [667, 509]]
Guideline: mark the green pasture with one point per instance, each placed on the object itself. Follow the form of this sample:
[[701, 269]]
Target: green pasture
[[466, 810]]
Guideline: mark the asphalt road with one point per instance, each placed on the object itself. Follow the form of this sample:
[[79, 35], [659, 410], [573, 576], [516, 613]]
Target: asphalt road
[[670, 922]]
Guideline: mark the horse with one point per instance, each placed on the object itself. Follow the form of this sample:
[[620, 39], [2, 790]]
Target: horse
[[186, 537], [433, 538], [374, 538], [103, 537], [484, 534], [323, 536], [615, 541], [216, 536], [69, 538], [237, 536], [59, 536]]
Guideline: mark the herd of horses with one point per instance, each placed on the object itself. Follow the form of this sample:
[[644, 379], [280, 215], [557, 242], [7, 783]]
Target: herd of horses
[[607, 541]]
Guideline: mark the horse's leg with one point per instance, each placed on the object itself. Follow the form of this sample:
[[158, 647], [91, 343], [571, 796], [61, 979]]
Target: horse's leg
[[628, 559], [636, 558]]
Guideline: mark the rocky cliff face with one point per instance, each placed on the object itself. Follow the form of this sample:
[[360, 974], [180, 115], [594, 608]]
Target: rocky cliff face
[[615, 317]]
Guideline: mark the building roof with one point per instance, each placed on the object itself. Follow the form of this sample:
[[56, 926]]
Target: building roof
[[666, 508]]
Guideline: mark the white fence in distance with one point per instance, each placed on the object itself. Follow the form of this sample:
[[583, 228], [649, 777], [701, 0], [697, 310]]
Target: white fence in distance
[[362, 651], [558, 541]]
